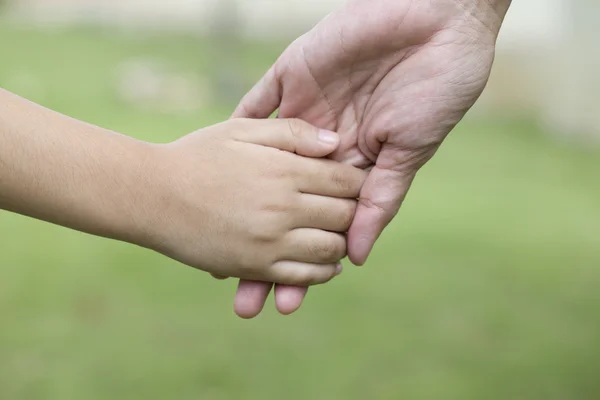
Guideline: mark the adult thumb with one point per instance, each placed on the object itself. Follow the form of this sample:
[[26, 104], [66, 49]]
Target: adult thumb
[[380, 199], [292, 135]]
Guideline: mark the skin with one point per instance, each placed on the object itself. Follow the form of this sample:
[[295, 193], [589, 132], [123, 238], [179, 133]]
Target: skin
[[394, 77], [232, 199]]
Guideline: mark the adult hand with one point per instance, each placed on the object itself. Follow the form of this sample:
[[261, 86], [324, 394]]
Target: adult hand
[[393, 77]]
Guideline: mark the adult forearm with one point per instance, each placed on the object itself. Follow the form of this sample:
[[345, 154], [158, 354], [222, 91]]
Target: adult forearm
[[68, 172]]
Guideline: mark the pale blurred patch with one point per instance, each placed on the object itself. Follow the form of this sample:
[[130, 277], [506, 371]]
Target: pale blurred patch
[[154, 85]]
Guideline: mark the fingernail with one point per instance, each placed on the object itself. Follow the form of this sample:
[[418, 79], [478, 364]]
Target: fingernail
[[328, 137], [338, 269]]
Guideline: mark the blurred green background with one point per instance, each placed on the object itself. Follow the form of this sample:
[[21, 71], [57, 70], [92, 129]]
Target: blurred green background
[[486, 286]]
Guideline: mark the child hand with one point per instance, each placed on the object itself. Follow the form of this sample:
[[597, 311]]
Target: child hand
[[229, 201]]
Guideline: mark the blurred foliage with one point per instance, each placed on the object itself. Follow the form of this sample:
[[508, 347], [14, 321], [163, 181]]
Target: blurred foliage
[[485, 287]]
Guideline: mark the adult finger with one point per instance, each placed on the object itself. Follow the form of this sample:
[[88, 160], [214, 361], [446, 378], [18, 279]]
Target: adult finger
[[250, 298], [380, 199], [288, 299]]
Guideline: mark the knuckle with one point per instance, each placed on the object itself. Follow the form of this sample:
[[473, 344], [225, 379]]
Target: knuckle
[[268, 230], [279, 210], [247, 267], [342, 178], [246, 264], [341, 248], [314, 215], [347, 214], [379, 206], [328, 251], [323, 252], [253, 266]]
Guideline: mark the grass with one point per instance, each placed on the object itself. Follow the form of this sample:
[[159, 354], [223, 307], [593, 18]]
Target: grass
[[485, 287]]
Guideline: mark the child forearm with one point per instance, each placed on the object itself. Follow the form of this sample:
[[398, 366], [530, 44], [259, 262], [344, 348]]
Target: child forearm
[[67, 172]]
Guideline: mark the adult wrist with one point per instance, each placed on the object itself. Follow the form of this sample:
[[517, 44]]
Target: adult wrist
[[490, 13], [500, 6]]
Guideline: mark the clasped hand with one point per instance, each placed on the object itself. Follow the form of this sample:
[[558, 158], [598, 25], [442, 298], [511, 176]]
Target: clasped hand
[[393, 77]]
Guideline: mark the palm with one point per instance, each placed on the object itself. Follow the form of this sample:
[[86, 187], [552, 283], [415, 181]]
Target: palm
[[392, 82]]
